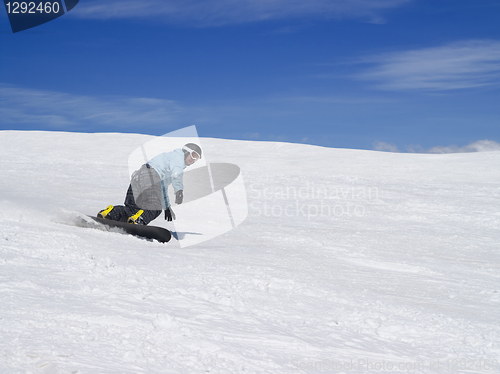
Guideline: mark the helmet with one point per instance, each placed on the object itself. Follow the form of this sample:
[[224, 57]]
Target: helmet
[[192, 147]]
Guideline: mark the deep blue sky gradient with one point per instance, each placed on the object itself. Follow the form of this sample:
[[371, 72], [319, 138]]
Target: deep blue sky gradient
[[309, 79]]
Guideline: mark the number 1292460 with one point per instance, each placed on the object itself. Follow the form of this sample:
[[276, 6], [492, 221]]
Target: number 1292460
[[32, 7]]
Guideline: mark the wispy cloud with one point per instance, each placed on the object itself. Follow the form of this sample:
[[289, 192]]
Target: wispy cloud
[[477, 146], [40, 109], [62, 110], [461, 65], [385, 147], [340, 99], [223, 12]]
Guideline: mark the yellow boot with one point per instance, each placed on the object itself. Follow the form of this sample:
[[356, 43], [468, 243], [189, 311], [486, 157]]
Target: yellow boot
[[136, 219], [103, 213]]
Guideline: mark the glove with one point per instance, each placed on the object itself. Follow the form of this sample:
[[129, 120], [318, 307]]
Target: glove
[[169, 214], [178, 197]]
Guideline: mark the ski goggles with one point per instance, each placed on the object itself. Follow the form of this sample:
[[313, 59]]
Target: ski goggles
[[194, 155]]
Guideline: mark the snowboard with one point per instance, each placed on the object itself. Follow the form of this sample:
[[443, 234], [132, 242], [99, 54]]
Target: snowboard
[[149, 232]]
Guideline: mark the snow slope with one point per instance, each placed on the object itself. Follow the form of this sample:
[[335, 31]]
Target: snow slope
[[349, 261]]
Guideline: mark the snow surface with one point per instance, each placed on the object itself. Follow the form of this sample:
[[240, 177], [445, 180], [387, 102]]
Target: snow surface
[[349, 261]]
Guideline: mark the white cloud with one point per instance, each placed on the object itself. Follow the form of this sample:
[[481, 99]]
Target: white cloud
[[385, 147], [56, 109], [252, 135], [30, 108], [223, 12], [340, 99], [466, 64], [478, 146]]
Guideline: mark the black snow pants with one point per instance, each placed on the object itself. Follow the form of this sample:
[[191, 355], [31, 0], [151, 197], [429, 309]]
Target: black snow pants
[[144, 192]]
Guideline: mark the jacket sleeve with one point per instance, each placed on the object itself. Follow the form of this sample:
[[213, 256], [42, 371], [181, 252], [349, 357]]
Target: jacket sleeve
[[165, 195], [177, 178], [172, 169]]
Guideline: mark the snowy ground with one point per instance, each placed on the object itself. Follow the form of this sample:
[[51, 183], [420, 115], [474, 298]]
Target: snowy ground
[[349, 261]]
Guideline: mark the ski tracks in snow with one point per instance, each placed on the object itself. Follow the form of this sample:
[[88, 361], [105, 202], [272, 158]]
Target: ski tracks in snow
[[411, 281]]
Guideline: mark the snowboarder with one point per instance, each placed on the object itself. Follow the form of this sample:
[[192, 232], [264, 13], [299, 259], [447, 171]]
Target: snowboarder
[[147, 194]]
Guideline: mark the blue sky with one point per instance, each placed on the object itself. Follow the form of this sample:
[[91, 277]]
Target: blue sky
[[407, 75]]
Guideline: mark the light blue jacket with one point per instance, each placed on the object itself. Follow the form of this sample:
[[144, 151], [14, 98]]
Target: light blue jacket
[[170, 167]]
